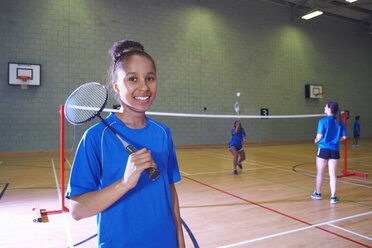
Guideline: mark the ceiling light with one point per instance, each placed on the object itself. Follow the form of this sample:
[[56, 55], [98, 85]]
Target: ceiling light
[[351, 1], [312, 14]]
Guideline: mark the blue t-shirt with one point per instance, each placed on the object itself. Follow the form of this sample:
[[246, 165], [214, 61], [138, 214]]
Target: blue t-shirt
[[356, 128], [142, 217], [237, 138], [331, 133]]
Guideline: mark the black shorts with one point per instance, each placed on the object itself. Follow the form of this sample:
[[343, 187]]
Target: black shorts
[[356, 136], [327, 154], [238, 147]]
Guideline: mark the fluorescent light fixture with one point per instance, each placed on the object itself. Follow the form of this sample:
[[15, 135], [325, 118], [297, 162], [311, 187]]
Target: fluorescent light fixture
[[312, 15], [351, 1]]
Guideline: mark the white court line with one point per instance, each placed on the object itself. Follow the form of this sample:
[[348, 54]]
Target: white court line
[[224, 171], [68, 162], [280, 168], [276, 167], [1, 162], [351, 159], [292, 231], [357, 234], [187, 174], [67, 228]]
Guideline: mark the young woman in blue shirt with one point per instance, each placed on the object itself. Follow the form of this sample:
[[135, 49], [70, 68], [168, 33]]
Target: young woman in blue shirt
[[132, 210], [331, 130], [236, 145]]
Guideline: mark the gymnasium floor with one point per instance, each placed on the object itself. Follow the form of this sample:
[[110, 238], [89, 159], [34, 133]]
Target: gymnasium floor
[[267, 205]]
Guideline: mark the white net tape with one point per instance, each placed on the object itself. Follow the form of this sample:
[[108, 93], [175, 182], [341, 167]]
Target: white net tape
[[214, 116]]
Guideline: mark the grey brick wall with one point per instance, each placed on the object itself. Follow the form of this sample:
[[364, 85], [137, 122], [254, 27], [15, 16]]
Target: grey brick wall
[[205, 53]]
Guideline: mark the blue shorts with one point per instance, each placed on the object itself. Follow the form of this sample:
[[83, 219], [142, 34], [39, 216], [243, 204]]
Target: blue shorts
[[238, 147], [327, 154]]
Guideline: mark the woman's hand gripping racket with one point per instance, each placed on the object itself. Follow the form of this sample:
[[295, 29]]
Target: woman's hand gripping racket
[[87, 102]]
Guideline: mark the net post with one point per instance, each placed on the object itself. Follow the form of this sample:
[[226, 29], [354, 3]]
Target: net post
[[62, 157], [345, 145], [346, 173], [63, 209]]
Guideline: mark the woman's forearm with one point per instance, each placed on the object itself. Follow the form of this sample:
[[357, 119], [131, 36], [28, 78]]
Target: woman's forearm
[[94, 202], [177, 216]]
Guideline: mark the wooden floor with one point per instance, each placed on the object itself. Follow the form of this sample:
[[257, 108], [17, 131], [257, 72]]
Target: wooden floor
[[267, 205]]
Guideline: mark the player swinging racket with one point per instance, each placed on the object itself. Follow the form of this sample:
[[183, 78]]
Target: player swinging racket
[[236, 146], [132, 210]]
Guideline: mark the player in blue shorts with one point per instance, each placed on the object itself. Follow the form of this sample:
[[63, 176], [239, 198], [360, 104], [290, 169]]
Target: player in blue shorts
[[131, 209], [236, 146], [331, 130], [356, 131]]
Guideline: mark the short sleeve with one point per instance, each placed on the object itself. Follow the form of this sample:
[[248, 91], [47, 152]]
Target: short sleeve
[[343, 129], [85, 172], [321, 127], [173, 170]]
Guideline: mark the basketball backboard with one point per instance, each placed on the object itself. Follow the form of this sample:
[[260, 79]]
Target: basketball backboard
[[313, 91], [18, 71]]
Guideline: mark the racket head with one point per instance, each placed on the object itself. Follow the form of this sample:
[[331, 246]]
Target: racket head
[[236, 107], [85, 103]]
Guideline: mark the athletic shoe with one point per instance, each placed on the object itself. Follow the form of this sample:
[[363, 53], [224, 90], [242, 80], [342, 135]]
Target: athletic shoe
[[316, 196], [240, 165], [334, 200], [235, 172]]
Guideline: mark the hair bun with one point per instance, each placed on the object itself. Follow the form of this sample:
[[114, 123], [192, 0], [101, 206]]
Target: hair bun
[[118, 48]]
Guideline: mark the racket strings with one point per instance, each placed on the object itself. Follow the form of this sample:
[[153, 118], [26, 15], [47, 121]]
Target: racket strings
[[85, 103]]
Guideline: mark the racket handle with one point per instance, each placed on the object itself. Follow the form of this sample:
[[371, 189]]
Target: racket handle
[[152, 172], [130, 149]]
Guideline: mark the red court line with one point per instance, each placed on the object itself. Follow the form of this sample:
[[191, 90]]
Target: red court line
[[272, 210]]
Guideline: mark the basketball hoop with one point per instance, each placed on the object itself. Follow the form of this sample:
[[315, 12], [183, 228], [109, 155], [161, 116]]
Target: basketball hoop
[[24, 81], [319, 95]]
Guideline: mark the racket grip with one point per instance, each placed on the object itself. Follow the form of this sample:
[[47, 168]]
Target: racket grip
[[130, 149], [152, 172]]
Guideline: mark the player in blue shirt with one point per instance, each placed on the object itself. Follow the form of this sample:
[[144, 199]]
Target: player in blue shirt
[[236, 147], [331, 130], [356, 130], [132, 210]]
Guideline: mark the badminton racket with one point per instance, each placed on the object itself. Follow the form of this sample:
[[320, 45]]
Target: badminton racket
[[236, 105], [87, 102]]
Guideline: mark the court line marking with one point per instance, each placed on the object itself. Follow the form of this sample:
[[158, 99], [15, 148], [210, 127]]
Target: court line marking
[[67, 228], [275, 166], [338, 181], [68, 162], [348, 178], [343, 229], [222, 171], [301, 229], [359, 158], [273, 210], [187, 174], [288, 185], [4, 189], [1, 162]]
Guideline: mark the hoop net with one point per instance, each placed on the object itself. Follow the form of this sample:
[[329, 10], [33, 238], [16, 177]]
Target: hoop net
[[24, 81]]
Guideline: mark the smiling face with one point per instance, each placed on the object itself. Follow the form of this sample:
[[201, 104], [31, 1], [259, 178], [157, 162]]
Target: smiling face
[[136, 83]]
